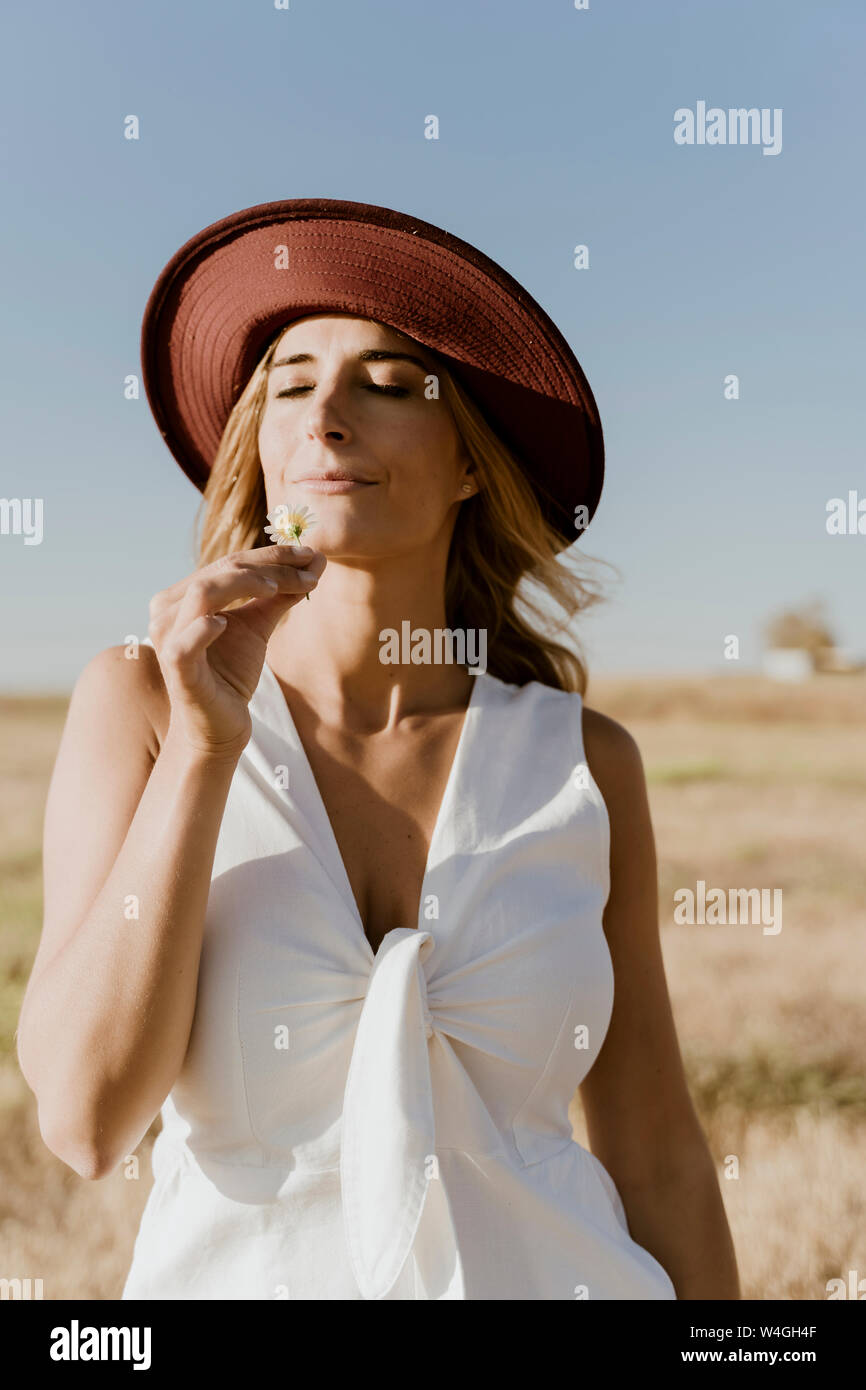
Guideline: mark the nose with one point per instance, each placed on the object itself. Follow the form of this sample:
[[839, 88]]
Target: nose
[[317, 431], [326, 418]]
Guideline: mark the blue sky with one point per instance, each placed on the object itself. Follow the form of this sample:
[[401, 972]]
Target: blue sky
[[556, 128]]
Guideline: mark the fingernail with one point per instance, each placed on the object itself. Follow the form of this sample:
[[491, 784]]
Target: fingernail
[[303, 550], [307, 578]]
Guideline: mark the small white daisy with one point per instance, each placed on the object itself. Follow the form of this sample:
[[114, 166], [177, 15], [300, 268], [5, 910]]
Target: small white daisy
[[288, 523]]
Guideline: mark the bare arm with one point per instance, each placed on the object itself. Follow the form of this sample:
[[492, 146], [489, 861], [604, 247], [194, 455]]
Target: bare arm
[[639, 1114], [130, 836], [108, 1009]]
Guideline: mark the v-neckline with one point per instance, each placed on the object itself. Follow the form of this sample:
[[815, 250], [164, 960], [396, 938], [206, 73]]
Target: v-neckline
[[284, 714]]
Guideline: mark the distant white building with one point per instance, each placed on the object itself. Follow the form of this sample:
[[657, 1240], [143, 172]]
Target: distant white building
[[799, 664], [788, 664]]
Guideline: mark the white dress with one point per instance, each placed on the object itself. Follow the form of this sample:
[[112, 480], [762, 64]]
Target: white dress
[[394, 1125]]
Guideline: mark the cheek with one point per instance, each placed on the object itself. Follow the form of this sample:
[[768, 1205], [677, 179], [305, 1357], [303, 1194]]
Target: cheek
[[422, 452], [273, 439]]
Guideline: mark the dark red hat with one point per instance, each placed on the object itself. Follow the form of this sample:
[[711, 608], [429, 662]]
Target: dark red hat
[[221, 299]]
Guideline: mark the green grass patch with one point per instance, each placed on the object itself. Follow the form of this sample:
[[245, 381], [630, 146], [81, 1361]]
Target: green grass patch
[[774, 1081]]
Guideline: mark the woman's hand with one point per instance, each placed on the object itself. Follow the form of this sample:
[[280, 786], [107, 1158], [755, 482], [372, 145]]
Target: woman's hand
[[211, 662]]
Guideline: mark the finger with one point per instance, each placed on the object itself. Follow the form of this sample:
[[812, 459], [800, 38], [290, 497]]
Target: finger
[[185, 648], [263, 614], [211, 594], [272, 561], [314, 563], [210, 591], [222, 571], [266, 612]]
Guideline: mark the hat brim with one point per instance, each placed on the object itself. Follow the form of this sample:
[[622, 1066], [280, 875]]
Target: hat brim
[[222, 297]]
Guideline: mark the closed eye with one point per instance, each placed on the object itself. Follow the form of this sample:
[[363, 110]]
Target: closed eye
[[370, 386]]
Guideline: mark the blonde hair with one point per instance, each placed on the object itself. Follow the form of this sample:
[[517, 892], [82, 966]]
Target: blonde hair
[[500, 538]]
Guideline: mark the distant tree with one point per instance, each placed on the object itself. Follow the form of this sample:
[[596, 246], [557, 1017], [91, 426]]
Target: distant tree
[[804, 628]]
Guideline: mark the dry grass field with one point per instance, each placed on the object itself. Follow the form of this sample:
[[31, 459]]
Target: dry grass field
[[752, 784]]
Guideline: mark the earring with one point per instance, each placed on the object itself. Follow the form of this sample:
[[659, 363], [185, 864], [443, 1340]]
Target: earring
[[467, 487]]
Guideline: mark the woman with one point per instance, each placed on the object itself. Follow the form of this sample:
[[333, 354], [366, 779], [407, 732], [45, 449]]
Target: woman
[[352, 924]]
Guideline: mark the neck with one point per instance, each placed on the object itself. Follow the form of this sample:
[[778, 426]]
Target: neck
[[338, 653]]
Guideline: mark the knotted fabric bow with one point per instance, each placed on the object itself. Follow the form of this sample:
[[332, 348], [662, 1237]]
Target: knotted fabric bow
[[393, 1198]]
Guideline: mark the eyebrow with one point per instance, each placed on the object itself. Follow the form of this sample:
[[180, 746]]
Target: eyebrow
[[370, 355]]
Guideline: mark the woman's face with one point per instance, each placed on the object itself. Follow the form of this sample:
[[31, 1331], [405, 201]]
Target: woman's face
[[346, 404]]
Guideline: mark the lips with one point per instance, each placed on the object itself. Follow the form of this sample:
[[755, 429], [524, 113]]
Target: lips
[[334, 475], [323, 484]]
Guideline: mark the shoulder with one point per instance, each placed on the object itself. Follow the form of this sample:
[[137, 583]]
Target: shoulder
[[612, 752], [123, 685], [616, 765], [615, 762]]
